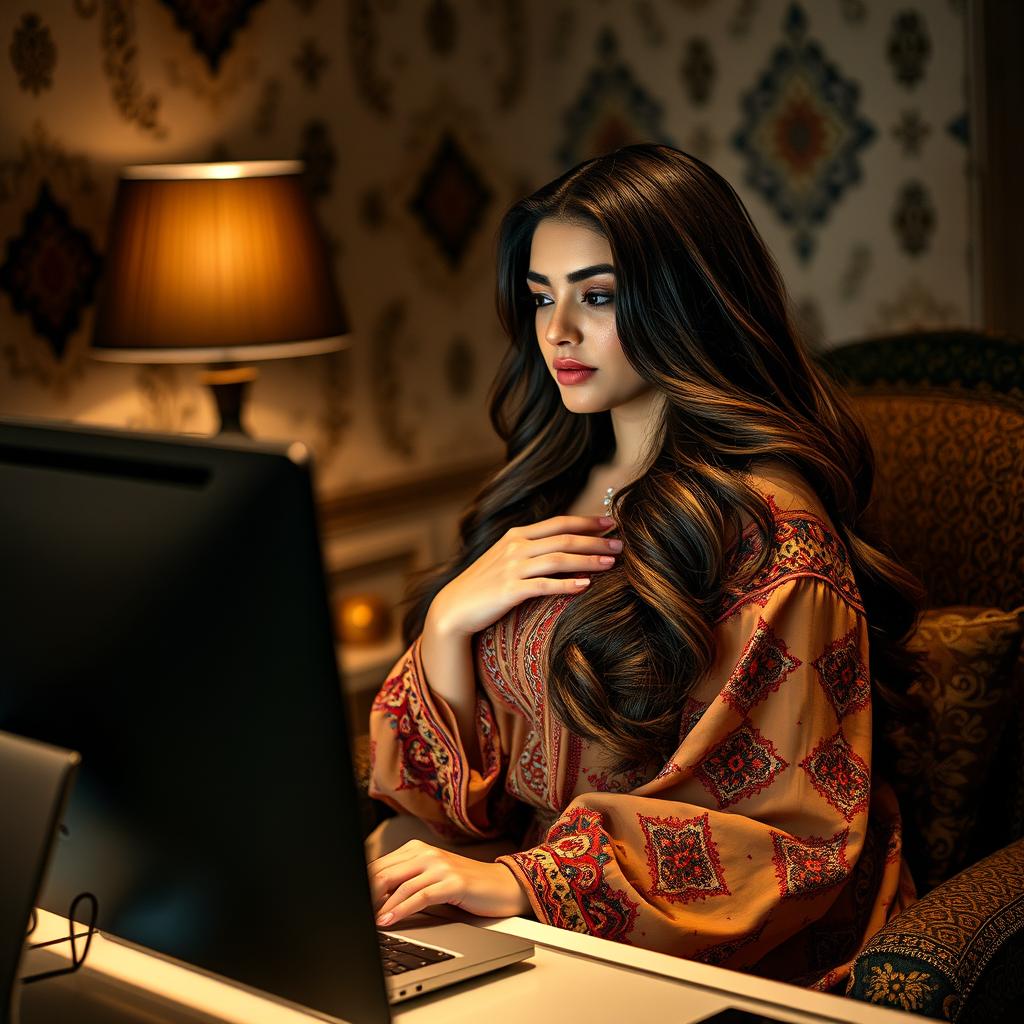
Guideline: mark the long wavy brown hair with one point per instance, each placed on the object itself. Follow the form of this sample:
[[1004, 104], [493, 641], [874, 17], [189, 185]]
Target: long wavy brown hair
[[701, 313]]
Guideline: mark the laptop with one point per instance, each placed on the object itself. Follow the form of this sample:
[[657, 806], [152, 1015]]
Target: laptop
[[165, 613]]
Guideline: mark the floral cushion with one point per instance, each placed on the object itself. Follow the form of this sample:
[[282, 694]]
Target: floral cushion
[[958, 953], [943, 763]]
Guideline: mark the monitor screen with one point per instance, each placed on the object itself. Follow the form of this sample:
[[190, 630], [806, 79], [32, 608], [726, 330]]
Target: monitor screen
[[164, 612]]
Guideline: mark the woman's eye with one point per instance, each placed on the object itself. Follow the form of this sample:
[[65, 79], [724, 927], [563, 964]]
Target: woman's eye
[[598, 298], [540, 300]]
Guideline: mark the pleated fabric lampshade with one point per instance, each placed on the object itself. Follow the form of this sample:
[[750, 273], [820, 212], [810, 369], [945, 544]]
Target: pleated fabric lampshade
[[216, 263]]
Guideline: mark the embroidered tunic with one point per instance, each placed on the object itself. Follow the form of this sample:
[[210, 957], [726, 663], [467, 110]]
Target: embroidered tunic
[[763, 843]]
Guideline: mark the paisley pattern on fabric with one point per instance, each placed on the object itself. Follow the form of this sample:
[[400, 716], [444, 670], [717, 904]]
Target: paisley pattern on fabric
[[426, 760], [567, 875], [532, 770]]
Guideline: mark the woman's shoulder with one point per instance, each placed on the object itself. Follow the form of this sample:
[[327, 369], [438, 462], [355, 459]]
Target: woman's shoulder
[[804, 543], [788, 493]]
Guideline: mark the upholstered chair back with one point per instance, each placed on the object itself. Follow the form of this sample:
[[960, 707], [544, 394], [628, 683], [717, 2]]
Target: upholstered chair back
[[945, 413]]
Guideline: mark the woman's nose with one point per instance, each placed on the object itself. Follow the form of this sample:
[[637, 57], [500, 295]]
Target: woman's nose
[[562, 327]]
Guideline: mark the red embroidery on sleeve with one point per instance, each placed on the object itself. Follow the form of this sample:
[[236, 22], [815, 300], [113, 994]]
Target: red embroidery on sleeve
[[839, 775], [683, 859], [802, 546], [567, 876], [807, 867], [843, 675], [743, 764], [762, 668]]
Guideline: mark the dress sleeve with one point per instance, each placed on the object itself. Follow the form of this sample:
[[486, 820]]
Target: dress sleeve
[[749, 832], [419, 763]]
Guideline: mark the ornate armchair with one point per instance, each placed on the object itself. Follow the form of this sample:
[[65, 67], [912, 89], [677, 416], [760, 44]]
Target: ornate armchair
[[945, 412]]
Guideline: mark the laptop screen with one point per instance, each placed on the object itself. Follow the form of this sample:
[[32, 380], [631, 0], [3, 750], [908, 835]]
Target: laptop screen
[[164, 613]]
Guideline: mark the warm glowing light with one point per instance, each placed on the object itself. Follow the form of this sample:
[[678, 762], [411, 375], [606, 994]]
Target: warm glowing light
[[216, 263], [221, 171], [362, 615]]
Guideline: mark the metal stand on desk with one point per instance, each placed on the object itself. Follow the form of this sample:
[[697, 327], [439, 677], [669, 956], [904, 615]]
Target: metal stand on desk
[[35, 780]]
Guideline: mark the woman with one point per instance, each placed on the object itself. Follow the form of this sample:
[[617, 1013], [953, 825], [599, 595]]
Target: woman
[[679, 695]]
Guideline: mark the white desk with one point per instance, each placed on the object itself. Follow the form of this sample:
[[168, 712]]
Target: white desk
[[571, 977]]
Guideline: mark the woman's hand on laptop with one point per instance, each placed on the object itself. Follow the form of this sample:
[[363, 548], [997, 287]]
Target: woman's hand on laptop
[[418, 875]]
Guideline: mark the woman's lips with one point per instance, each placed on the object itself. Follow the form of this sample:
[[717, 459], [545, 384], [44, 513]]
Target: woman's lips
[[572, 371], [574, 376]]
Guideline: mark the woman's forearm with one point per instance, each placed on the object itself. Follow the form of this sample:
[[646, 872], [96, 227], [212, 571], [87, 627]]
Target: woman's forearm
[[448, 662]]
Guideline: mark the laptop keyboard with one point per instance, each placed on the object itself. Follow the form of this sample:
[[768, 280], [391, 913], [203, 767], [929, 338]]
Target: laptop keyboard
[[400, 955]]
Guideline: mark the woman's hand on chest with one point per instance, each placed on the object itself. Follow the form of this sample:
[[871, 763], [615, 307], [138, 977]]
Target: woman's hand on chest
[[552, 557]]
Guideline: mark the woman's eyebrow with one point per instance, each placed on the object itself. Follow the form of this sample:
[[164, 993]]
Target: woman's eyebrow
[[574, 276]]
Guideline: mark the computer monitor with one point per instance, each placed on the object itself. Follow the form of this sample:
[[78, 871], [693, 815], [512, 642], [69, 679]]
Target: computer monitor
[[163, 611]]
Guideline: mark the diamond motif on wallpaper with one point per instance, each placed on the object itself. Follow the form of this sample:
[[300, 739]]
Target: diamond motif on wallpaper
[[316, 151], [612, 110], [698, 70], [913, 220], [441, 26], [802, 133], [910, 132], [310, 63], [211, 25], [451, 199], [909, 48], [33, 54], [50, 271]]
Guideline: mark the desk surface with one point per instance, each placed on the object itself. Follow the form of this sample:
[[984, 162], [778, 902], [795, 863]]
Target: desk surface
[[570, 977]]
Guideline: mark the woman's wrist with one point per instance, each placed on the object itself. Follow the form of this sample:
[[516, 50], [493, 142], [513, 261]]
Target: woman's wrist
[[438, 624]]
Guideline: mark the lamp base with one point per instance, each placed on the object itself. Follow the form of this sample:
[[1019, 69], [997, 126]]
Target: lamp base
[[229, 385]]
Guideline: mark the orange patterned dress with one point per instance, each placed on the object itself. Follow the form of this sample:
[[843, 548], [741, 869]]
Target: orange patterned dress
[[762, 844]]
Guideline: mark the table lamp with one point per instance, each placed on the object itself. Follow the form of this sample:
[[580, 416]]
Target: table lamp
[[222, 264]]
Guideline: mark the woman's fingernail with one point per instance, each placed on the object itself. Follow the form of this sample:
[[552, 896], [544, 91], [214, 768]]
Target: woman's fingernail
[[582, 582], [385, 918], [607, 520], [615, 545], [606, 560]]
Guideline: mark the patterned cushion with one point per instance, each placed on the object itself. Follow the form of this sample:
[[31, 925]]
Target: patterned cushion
[[943, 762], [948, 954]]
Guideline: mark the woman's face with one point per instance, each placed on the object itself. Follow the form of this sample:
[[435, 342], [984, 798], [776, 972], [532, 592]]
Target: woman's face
[[572, 280]]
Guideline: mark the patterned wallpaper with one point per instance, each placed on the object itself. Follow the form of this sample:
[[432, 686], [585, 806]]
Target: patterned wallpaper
[[842, 123]]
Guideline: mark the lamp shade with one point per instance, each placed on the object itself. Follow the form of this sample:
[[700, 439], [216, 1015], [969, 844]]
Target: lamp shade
[[213, 263]]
